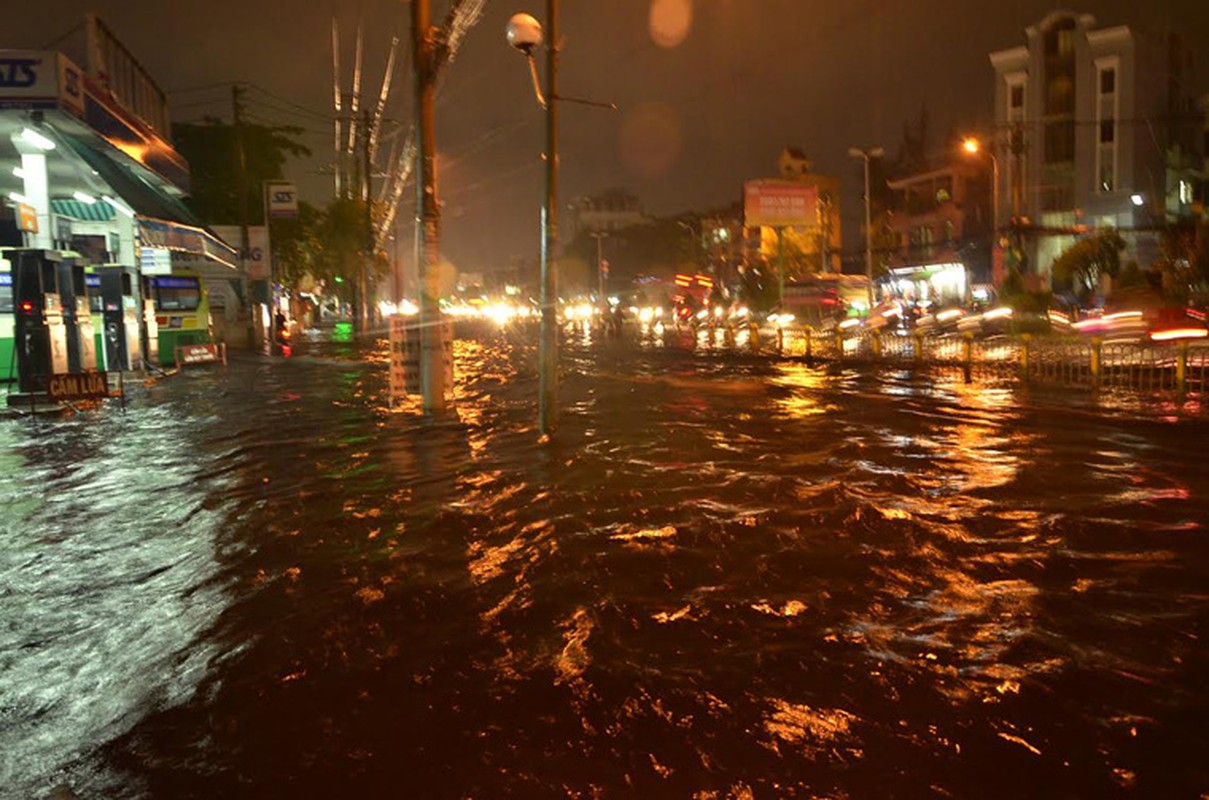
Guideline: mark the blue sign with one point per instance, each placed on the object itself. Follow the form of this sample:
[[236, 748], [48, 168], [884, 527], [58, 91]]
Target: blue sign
[[18, 73]]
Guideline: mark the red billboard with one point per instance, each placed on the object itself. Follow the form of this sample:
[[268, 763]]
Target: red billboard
[[780, 204]]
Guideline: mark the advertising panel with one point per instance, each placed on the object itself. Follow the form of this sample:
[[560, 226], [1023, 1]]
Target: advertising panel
[[282, 200], [258, 248], [34, 79], [780, 204]]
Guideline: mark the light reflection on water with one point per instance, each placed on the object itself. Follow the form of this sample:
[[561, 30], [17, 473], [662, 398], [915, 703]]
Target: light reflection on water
[[725, 578]]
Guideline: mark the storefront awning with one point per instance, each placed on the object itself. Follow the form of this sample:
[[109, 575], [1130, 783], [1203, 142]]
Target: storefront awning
[[164, 221]]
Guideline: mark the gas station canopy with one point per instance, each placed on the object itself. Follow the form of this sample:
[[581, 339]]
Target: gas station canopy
[[86, 164]]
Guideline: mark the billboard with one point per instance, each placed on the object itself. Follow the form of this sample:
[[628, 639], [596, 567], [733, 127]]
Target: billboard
[[119, 74], [780, 204], [258, 247], [33, 79], [281, 199]]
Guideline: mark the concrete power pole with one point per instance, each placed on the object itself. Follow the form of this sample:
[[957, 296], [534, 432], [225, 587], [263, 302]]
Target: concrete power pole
[[428, 212], [241, 163]]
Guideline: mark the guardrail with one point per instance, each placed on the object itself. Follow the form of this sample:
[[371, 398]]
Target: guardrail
[[1181, 366]]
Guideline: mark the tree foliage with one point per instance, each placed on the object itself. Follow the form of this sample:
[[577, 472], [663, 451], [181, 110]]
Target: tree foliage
[[1184, 262], [1082, 265], [210, 148]]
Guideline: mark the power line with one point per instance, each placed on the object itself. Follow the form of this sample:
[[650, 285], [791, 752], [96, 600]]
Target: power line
[[204, 87], [291, 103]]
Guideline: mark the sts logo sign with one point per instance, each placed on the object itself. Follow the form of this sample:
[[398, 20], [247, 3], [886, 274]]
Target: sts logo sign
[[282, 199], [18, 73]]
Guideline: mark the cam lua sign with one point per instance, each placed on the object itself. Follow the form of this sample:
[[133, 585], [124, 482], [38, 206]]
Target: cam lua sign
[[81, 386]]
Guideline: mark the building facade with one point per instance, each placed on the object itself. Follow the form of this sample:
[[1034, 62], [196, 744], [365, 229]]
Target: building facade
[[941, 223], [1086, 120]]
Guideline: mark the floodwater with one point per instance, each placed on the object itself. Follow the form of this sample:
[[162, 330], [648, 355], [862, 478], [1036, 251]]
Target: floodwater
[[726, 578]]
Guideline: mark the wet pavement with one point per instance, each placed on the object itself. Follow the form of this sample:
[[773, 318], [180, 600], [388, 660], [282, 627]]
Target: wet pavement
[[727, 577]]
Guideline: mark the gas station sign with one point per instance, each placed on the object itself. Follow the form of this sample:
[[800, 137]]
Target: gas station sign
[[27, 218], [82, 386]]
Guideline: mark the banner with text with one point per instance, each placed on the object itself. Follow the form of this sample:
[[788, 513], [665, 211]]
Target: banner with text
[[780, 204]]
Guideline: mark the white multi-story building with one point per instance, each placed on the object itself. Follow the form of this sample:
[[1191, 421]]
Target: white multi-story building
[[1086, 120]]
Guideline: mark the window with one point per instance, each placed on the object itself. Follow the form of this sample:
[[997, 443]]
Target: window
[[1107, 179], [1059, 142], [1060, 95], [1108, 130], [176, 293], [1108, 81], [1017, 99], [1060, 40], [6, 292]]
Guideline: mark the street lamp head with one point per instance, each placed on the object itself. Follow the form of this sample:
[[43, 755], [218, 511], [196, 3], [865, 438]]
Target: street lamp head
[[1138, 200], [875, 152], [524, 33], [971, 145]]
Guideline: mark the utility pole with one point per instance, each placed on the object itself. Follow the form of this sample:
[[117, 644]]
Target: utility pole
[[428, 212], [600, 236], [241, 162], [548, 355], [367, 314], [867, 155]]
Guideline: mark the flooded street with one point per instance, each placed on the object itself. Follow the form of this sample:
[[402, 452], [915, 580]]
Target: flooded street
[[726, 578]]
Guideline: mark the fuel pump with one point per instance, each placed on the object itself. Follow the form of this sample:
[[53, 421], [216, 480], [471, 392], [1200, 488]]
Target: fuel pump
[[121, 308], [40, 338], [77, 317], [150, 325]]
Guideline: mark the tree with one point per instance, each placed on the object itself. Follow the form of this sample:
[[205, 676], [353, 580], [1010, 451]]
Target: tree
[[210, 148], [340, 242], [1184, 261], [298, 246], [1081, 266]]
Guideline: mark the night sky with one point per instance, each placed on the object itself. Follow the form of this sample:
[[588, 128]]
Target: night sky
[[700, 113]]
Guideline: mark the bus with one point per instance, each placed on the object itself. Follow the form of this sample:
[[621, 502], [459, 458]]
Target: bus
[[817, 298], [8, 321], [182, 312]]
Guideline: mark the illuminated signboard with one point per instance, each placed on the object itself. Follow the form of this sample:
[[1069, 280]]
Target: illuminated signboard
[[36, 79], [780, 204]]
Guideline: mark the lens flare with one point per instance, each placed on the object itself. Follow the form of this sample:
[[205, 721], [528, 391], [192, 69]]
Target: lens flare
[[651, 138], [671, 21]]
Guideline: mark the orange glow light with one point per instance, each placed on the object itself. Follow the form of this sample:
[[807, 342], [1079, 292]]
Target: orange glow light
[[1179, 333], [971, 146]]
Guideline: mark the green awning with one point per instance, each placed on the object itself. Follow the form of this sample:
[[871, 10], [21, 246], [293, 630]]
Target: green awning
[[85, 212]]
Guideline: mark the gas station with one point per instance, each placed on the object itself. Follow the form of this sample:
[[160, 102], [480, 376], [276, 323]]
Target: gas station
[[92, 218]]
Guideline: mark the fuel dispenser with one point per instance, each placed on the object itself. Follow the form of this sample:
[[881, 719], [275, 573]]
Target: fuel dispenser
[[39, 335], [151, 327], [121, 308], [77, 317]]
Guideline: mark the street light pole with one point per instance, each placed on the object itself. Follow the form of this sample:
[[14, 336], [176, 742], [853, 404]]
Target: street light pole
[[866, 155], [973, 146], [548, 401], [525, 34], [600, 236]]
